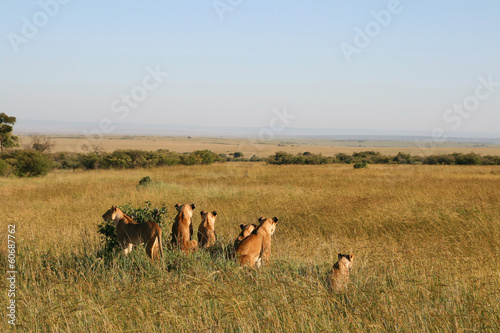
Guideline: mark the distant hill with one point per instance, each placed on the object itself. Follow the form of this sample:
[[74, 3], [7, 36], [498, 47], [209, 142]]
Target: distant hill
[[25, 126]]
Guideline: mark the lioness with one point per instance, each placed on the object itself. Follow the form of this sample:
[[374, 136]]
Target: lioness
[[130, 233], [206, 230], [246, 230], [257, 246], [182, 229], [339, 275]]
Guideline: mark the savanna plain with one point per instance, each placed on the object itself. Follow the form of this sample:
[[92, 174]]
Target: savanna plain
[[425, 239]]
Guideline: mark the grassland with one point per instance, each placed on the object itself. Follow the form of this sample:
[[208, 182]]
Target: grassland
[[426, 241], [266, 148]]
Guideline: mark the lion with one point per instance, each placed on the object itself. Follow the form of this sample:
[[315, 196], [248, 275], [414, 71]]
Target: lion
[[256, 248], [246, 230], [206, 230], [130, 233], [339, 275], [182, 229]]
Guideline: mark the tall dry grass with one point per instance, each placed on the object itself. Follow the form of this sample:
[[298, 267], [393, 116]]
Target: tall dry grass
[[426, 241]]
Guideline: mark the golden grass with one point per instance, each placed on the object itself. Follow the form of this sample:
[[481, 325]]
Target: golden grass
[[426, 241], [264, 149]]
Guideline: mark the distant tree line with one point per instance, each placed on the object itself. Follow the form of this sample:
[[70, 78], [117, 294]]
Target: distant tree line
[[374, 157], [32, 162]]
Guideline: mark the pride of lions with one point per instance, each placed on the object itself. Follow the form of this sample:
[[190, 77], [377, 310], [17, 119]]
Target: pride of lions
[[252, 246]]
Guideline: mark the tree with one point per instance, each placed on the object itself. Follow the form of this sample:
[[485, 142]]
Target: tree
[[94, 146], [7, 139], [238, 154], [41, 143]]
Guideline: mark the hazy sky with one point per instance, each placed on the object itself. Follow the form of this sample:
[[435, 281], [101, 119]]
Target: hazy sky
[[380, 65]]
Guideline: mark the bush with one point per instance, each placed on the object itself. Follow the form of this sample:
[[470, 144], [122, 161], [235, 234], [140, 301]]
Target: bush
[[66, 161], [402, 158], [206, 157], [238, 155], [467, 159], [360, 165], [145, 181], [89, 161], [164, 157], [141, 215], [4, 168], [30, 163], [343, 158], [281, 157]]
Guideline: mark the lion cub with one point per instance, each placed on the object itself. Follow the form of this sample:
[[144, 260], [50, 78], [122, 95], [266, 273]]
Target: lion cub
[[130, 233], [206, 230], [339, 275], [257, 246], [182, 229], [246, 230]]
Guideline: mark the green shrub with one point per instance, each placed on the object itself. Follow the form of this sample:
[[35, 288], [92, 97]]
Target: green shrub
[[281, 157], [343, 158], [360, 165], [188, 159], [402, 158], [5, 168], [206, 157], [145, 181], [116, 160], [64, 160], [164, 157], [238, 154], [467, 159], [31, 163], [89, 161]]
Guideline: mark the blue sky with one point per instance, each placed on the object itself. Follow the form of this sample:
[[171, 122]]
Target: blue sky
[[234, 68]]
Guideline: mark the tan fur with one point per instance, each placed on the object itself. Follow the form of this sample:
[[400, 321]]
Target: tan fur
[[256, 248], [206, 230], [182, 229], [339, 275], [130, 233], [246, 230]]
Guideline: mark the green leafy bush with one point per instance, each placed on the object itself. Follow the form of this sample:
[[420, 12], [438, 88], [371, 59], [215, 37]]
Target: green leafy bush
[[31, 163], [66, 161], [360, 165], [145, 181], [4, 168], [89, 161]]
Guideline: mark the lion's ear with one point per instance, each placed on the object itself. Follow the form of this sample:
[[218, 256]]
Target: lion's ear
[[351, 256], [193, 206], [340, 256], [242, 226], [113, 208], [261, 219], [203, 212], [214, 213], [275, 219], [177, 205], [255, 225]]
